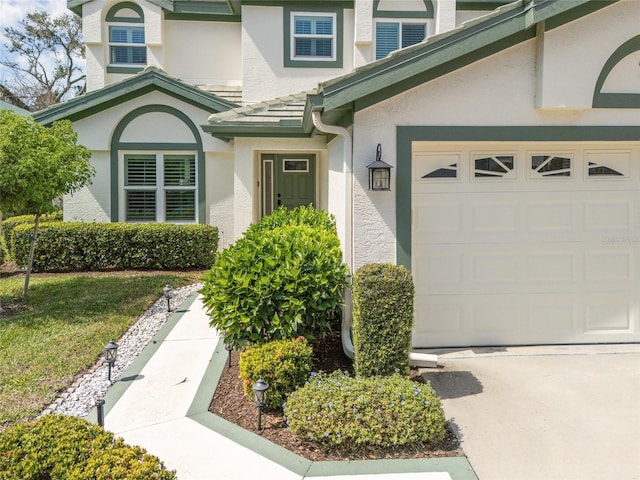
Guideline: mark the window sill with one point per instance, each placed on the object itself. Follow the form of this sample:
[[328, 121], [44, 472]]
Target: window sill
[[125, 68]]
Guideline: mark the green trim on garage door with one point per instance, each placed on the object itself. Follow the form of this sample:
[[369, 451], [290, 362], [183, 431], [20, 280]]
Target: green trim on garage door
[[408, 134]]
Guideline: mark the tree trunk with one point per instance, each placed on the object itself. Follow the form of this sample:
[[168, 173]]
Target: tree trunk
[[32, 251]]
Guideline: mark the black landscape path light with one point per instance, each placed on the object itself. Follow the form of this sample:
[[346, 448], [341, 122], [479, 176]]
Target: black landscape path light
[[110, 355], [100, 411], [228, 348], [167, 294], [260, 398]]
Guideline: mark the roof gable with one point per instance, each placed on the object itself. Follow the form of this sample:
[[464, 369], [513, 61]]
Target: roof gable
[[150, 79]]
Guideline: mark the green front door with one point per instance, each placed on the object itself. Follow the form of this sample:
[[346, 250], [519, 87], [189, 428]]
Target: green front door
[[289, 180]]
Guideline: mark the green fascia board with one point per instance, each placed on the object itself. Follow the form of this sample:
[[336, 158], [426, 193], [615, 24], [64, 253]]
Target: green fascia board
[[227, 131], [299, 3], [117, 93], [219, 7], [443, 54], [480, 5]]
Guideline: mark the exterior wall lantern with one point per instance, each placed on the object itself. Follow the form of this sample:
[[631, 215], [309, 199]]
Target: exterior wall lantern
[[167, 294], [379, 173], [260, 398], [110, 354]]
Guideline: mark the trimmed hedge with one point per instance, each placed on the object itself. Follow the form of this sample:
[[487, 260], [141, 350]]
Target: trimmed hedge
[[58, 447], [382, 319], [8, 224], [79, 246], [336, 409], [284, 364], [276, 283]]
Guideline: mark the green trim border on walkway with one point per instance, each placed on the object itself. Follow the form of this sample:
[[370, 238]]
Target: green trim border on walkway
[[457, 467]]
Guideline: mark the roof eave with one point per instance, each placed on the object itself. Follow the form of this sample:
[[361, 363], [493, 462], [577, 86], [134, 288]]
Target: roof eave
[[118, 93]]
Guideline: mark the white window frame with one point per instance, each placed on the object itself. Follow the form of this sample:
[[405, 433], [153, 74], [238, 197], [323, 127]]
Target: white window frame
[[401, 22], [333, 37], [159, 188], [126, 45]]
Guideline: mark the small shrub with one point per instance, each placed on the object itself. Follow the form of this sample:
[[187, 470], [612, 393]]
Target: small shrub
[[80, 246], [3, 252], [283, 364], [302, 215], [382, 319], [276, 284], [58, 447], [336, 409], [8, 224]]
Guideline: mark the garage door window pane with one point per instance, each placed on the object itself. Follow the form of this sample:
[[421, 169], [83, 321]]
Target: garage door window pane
[[450, 171], [551, 165], [498, 166]]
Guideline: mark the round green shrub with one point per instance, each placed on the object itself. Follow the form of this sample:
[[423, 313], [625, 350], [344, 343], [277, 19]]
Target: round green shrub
[[382, 319], [283, 364], [336, 409], [58, 447], [301, 215], [276, 284]]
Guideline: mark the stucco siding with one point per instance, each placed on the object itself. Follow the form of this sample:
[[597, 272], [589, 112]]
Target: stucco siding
[[219, 193], [92, 203], [204, 53], [574, 54]]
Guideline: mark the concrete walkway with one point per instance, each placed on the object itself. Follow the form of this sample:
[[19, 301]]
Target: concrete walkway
[[545, 413], [161, 404]]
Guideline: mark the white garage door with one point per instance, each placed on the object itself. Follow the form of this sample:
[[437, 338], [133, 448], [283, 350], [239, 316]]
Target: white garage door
[[522, 244]]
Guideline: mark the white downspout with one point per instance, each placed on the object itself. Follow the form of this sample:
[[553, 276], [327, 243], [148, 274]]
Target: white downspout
[[316, 116], [415, 358]]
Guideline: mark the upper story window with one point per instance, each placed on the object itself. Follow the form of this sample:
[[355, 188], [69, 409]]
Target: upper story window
[[312, 38], [127, 48], [400, 24], [393, 35]]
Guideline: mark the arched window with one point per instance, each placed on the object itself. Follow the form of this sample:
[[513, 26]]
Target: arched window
[[127, 49]]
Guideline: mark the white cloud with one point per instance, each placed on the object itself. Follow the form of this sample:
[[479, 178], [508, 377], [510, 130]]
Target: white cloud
[[15, 10]]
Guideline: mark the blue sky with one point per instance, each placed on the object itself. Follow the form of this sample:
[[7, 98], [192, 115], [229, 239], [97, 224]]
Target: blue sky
[[12, 11]]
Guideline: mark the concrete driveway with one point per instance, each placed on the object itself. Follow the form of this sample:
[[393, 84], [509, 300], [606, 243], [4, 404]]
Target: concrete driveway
[[545, 413]]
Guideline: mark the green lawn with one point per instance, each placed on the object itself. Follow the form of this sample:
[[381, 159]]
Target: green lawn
[[62, 328]]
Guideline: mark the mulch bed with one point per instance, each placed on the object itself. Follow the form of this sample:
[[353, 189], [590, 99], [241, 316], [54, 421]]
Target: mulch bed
[[230, 403]]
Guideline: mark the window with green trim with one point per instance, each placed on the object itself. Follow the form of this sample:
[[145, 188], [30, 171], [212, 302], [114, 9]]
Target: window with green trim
[[127, 45], [313, 36], [393, 35], [160, 188]]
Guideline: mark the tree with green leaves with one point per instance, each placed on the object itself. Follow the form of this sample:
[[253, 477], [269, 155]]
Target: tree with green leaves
[[39, 164], [47, 61]]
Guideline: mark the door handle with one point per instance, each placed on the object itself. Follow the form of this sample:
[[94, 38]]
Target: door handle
[[279, 202]]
